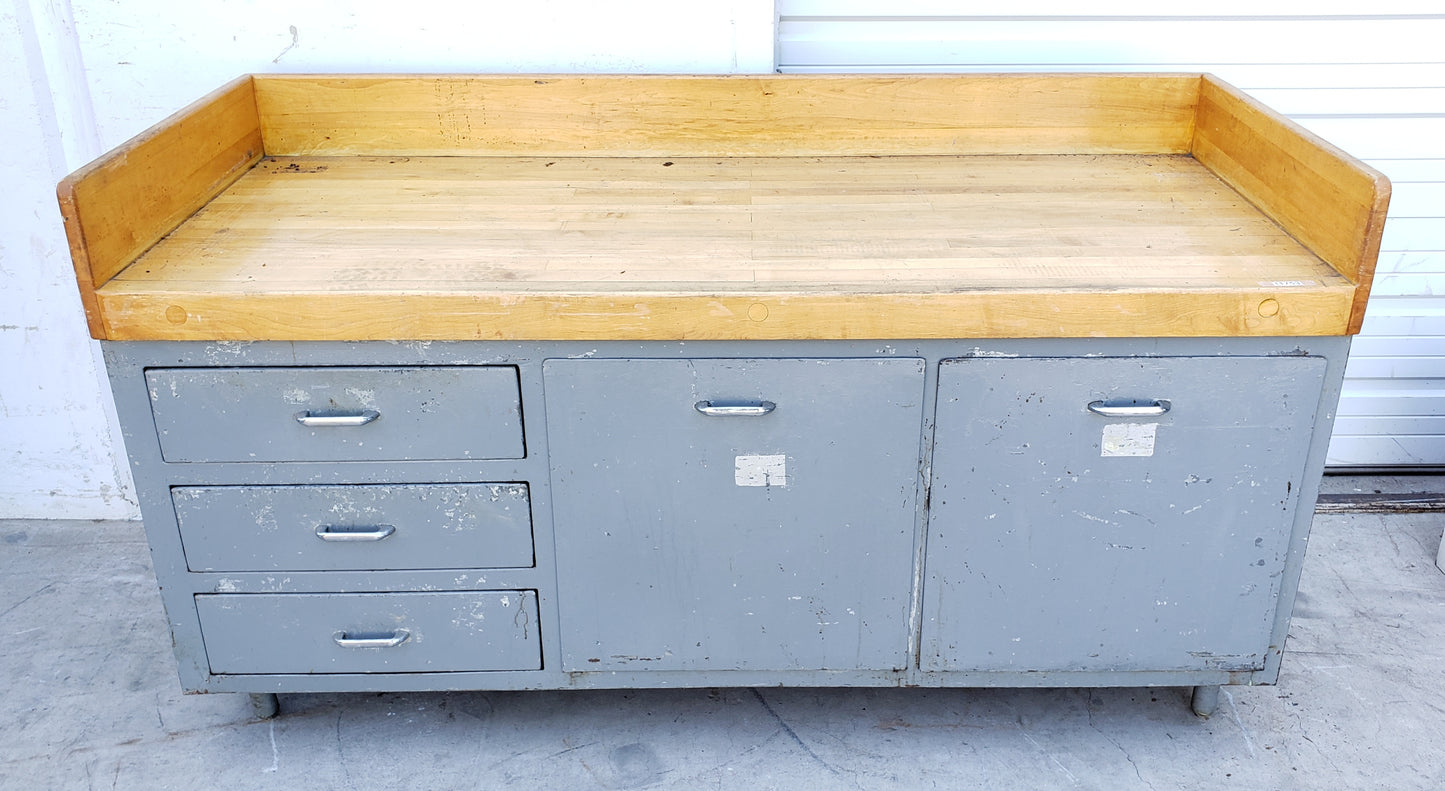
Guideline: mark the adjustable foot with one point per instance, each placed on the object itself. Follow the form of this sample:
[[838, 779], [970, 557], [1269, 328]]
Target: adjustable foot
[[264, 705], [1205, 700]]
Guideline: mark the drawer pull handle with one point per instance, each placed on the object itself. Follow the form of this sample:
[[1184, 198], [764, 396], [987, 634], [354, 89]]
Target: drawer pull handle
[[1153, 408], [320, 419], [756, 409], [371, 533], [371, 639]]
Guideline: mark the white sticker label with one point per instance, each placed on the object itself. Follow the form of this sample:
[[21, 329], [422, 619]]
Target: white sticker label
[[760, 470], [1288, 283], [1128, 439]]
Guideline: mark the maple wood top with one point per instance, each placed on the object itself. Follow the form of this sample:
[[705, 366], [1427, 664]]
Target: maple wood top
[[235, 221]]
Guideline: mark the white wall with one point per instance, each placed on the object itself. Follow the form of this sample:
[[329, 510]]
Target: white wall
[[78, 77], [59, 452]]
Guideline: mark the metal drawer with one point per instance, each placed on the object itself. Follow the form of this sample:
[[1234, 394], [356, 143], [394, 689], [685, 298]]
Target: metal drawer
[[326, 528], [370, 632], [336, 414]]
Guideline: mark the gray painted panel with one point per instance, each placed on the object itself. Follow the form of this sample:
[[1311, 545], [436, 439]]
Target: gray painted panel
[[274, 528], [127, 362], [681, 679], [249, 414], [780, 541], [1063, 540], [296, 633]]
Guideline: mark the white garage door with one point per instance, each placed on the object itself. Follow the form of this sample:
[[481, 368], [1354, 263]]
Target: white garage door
[[1372, 83]]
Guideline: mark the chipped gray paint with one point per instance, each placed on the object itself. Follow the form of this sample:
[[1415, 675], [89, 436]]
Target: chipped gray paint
[[495, 482]]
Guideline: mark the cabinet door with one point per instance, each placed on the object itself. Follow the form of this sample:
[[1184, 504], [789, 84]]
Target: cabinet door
[[775, 533], [1112, 513]]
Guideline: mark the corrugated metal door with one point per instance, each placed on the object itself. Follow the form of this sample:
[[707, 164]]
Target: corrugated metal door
[[1370, 79]]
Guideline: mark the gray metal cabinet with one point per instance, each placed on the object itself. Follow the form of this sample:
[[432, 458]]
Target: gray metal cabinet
[[829, 513], [734, 514], [1120, 514]]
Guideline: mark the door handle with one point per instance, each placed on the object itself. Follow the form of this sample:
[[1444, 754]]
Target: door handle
[[390, 639], [323, 419], [735, 408], [1151, 408], [372, 533]]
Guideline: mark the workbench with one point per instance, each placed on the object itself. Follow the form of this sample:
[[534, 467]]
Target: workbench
[[515, 382]]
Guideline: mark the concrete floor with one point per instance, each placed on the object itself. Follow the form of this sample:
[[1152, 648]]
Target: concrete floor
[[92, 702]]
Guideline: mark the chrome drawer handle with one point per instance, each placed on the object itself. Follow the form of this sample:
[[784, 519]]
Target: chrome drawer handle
[[1153, 408], [372, 640], [317, 419], [755, 409], [335, 533]]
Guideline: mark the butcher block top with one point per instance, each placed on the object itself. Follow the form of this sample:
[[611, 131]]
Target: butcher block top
[[742, 207]]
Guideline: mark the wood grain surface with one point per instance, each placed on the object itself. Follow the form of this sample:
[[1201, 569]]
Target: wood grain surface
[[776, 206], [119, 205], [644, 115], [1328, 200], [536, 247]]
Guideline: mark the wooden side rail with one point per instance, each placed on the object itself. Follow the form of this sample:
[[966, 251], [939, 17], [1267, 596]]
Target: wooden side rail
[[116, 207], [1329, 201]]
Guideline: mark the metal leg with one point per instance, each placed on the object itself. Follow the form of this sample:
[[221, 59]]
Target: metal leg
[[1205, 700], [264, 705]]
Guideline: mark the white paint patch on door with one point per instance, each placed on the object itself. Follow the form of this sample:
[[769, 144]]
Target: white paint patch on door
[[770, 470], [1128, 439]]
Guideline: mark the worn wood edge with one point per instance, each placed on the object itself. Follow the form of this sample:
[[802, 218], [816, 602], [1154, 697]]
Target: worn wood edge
[[1369, 256], [1311, 168], [80, 259], [83, 192], [134, 314], [746, 114]]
